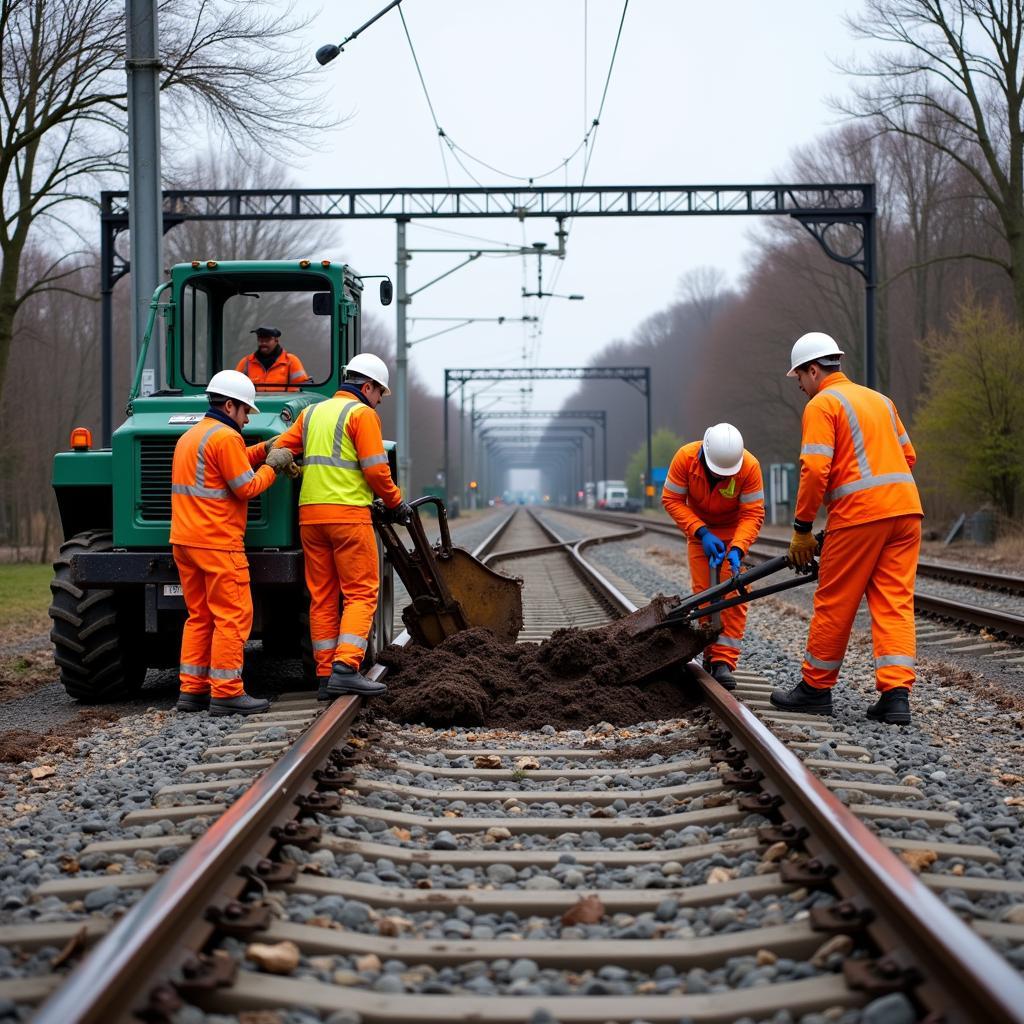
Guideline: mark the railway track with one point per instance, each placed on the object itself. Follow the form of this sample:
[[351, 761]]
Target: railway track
[[726, 864], [999, 621]]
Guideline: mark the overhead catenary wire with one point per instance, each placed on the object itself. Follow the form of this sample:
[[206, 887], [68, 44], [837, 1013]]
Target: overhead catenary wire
[[455, 149]]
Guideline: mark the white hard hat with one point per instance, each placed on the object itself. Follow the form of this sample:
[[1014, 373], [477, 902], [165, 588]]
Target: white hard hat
[[813, 346], [368, 365], [232, 384], [723, 449]]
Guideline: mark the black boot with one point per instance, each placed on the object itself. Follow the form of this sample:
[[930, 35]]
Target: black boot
[[345, 679], [723, 675], [892, 707], [803, 697], [321, 688]]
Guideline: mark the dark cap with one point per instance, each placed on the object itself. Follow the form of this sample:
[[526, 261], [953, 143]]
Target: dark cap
[[271, 332]]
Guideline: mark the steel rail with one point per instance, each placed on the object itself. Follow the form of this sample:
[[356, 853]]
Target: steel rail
[[930, 568], [961, 972], [965, 980], [993, 619]]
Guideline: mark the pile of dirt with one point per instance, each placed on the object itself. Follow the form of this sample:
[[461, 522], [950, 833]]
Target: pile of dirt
[[575, 679]]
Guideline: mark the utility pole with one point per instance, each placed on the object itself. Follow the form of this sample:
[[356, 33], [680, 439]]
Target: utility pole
[[145, 192], [402, 358]]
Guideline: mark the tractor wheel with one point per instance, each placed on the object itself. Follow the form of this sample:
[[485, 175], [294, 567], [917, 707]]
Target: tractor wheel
[[96, 638]]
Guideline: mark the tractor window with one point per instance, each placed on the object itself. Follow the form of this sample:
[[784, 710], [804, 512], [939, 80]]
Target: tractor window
[[196, 334], [222, 311]]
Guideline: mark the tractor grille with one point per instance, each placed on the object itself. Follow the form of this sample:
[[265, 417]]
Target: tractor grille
[[155, 457]]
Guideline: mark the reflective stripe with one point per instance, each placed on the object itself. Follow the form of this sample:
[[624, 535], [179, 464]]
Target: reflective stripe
[[194, 670], [746, 499], [225, 673], [373, 460], [675, 488], [329, 460], [201, 456], [219, 493], [729, 641], [895, 659], [326, 645], [244, 478], [305, 427], [355, 641], [818, 449], [300, 375], [827, 666], [864, 485], [339, 430], [855, 432], [904, 438]]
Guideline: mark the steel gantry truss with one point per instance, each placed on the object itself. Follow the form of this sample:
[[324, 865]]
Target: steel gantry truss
[[560, 458], [819, 207], [537, 436], [636, 376], [598, 416]]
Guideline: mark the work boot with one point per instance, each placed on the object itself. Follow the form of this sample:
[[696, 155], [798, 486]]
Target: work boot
[[723, 675], [192, 701], [321, 688], [803, 697], [345, 679], [243, 704], [892, 707]]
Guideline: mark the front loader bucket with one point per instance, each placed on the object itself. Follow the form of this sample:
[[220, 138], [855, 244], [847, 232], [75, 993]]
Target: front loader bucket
[[449, 589], [488, 598]]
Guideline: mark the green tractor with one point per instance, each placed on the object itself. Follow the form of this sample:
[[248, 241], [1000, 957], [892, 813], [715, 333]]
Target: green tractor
[[117, 608]]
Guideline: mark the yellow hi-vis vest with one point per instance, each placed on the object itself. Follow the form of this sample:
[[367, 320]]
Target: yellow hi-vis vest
[[331, 472]]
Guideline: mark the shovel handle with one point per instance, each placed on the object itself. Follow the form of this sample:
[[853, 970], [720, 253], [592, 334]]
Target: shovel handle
[[442, 520]]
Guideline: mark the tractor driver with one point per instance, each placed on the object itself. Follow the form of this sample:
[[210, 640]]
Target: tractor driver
[[270, 368]]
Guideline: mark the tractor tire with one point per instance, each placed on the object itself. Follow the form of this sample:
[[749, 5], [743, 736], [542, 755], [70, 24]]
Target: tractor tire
[[96, 636]]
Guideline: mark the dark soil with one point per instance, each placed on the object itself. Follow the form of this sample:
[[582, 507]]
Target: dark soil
[[575, 679], [26, 745]]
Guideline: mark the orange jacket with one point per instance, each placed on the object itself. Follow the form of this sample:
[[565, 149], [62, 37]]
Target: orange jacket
[[363, 426], [285, 372], [855, 457], [734, 505], [212, 480]]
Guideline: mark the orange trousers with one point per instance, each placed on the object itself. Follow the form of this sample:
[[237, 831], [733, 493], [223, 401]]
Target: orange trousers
[[877, 560], [341, 563], [734, 620], [215, 585]]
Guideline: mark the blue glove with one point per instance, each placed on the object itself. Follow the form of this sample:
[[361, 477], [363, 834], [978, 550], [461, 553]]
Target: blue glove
[[734, 558], [714, 549]]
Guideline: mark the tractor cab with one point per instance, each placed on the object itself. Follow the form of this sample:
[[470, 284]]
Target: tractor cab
[[216, 308]]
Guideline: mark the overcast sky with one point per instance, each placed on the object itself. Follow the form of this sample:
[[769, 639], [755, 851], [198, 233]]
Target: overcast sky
[[700, 94]]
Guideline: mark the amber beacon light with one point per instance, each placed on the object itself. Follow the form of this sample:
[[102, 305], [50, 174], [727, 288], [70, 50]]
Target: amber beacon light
[[81, 439]]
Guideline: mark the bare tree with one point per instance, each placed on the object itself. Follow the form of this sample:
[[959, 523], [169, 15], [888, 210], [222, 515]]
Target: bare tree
[[951, 76], [704, 288], [231, 64]]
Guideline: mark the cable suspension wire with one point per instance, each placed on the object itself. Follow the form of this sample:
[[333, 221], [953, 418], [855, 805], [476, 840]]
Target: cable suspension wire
[[455, 149]]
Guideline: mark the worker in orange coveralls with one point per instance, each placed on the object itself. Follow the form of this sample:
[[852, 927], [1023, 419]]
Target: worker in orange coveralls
[[212, 481], [344, 467], [270, 368], [715, 494], [856, 458]]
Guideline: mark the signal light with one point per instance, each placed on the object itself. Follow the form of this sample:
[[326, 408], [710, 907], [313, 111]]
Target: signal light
[[472, 485], [304, 264], [211, 264], [81, 439], [195, 264], [325, 263]]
